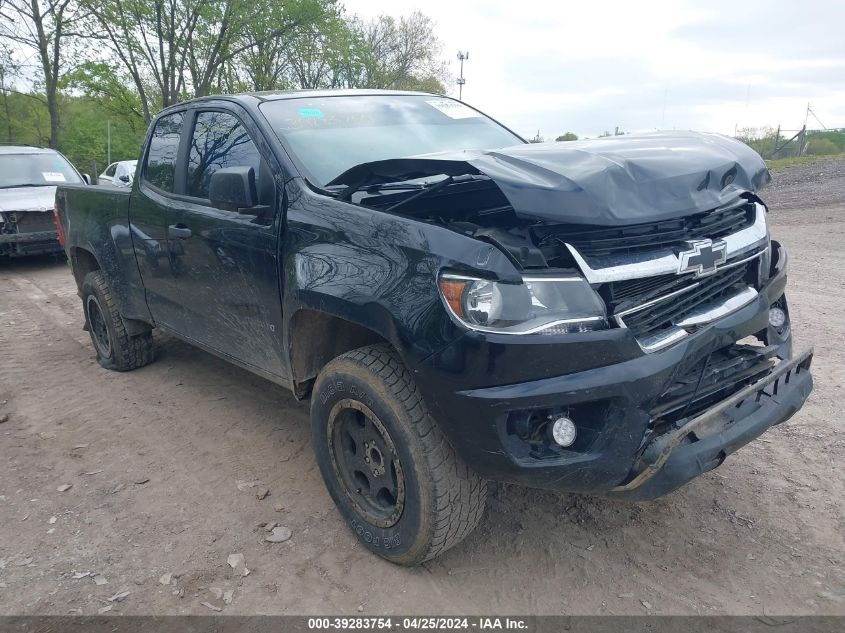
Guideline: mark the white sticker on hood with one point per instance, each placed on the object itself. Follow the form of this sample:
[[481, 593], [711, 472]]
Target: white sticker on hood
[[53, 176], [453, 109]]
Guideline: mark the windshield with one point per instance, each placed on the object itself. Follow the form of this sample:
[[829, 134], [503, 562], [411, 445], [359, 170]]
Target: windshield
[[35, 170], [331, 134]]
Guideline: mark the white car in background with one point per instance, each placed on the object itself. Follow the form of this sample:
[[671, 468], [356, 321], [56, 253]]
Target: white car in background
[[119, 174]]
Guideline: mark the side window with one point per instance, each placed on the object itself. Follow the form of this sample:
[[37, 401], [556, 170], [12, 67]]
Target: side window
[[219, 141], [110, 170], [160, 170]]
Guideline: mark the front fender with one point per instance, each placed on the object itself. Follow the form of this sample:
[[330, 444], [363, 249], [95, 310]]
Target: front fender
[[379, 271]]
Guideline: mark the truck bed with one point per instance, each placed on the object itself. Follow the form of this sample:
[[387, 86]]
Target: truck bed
[[95, 224]]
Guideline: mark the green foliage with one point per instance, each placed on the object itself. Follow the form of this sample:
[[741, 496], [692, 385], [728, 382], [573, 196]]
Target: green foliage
[[816, 142], [782, 163], [826, 142], [821, 147], [84, 137], [123, 60], [763, 140], [100, 82], [569, 136], [399, 54]]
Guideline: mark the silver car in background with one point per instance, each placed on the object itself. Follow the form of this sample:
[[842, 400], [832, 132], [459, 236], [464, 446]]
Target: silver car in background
[[28, 179]]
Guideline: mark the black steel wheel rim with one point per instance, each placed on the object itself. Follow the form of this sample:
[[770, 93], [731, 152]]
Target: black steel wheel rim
[[97, 325], [366, 463]]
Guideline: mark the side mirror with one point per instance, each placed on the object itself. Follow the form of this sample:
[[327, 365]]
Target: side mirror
[[124, 178], [86, 178], [233, 188]]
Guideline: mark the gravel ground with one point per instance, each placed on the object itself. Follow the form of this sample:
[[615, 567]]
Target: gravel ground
[[164, 465], [806, 187]]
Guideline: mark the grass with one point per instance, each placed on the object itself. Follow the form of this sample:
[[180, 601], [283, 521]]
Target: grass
[[780, 163]]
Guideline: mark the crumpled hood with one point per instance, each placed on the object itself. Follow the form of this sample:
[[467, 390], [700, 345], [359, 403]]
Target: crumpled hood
[[28, 199], [610, 181]]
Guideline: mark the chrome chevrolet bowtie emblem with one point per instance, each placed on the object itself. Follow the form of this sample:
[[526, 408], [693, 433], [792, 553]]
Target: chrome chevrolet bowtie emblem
[[702, 258]]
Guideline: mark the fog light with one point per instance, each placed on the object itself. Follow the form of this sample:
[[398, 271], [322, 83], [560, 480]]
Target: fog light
[[563, 432], [777, 318]]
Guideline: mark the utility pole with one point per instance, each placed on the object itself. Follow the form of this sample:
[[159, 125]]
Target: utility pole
[[108, 146], [462, 55]]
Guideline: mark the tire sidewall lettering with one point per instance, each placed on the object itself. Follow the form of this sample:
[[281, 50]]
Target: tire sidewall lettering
[[387, 539], [339, 386]]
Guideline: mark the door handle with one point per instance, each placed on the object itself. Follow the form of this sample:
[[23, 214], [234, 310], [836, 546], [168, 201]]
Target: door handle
[[179, 230]]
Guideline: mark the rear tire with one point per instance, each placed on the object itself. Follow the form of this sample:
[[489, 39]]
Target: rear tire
[[395, 479], [115, 348]]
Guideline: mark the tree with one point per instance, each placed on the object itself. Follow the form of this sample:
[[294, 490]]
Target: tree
[[9, 68], [399, 54], [175, 49], [569, 136], [102, 83], [46, 27], [321, 55], [84, 140], [291, 44]]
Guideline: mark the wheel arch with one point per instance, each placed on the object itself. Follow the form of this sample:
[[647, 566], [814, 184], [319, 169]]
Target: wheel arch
[[316, 337], [82, 262]]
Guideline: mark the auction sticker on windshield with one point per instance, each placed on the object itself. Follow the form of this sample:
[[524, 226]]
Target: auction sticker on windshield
[[311, 113], [53, 176], [453, 109]]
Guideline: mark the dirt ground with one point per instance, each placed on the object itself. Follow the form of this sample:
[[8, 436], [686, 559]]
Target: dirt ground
[[163, 464]]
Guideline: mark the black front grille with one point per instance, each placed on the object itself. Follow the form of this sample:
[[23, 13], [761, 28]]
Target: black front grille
[[592, 241], [669, 307], [711, 380], [32, 221]]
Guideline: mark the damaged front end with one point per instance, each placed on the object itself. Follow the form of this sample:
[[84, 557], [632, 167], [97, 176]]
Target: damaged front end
[[665, 244], [666, 229]]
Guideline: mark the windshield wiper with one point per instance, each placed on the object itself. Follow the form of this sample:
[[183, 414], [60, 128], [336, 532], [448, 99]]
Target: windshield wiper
[[440, 184], [345, 192], [422, 189]]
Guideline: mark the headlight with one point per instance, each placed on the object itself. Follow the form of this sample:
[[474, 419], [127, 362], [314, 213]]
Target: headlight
[[538, 305]]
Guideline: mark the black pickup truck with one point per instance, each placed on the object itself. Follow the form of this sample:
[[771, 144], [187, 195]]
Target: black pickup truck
[[604, 317]]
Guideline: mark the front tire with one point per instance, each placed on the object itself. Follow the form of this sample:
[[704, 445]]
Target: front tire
[[115, 348], [395, 479]]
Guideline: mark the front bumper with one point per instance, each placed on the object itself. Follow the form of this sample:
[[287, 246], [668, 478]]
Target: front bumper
[[28, 233], [28, 238], [704, 442], [475, 386]]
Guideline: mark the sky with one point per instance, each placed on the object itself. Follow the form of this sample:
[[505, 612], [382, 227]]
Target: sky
[[591, 65]]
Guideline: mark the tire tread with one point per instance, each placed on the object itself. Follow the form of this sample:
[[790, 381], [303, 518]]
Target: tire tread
[[128, 352]]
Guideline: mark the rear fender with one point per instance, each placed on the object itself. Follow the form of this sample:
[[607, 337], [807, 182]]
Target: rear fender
[[96, 220]]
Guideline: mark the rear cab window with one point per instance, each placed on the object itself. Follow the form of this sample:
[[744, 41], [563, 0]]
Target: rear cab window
[[160, 167]]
